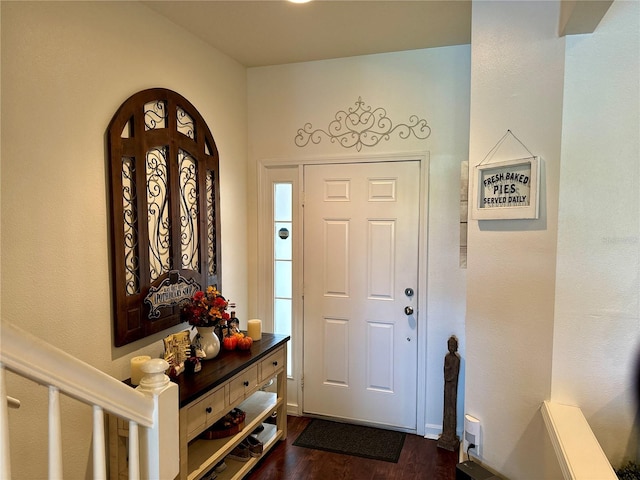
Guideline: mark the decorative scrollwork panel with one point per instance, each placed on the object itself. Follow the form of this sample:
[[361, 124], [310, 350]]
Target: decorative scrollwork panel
[[188, 168], [130, 226], [186, 125], [165, 229], [158, 219], [155, 115], [212, 239]]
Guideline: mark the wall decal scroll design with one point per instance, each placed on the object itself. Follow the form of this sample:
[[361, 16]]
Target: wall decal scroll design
[[362, 126]]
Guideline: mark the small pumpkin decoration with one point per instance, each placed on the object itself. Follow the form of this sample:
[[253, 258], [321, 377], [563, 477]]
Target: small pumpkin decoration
[[230, 342], [245, 342]]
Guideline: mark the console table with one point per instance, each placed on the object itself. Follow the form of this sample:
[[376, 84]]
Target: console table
[[233, 379]]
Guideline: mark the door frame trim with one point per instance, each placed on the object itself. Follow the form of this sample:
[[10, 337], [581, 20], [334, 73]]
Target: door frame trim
[[265, 287]]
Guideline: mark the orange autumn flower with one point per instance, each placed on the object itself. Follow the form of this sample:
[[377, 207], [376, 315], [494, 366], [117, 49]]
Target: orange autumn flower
[[205, 309]]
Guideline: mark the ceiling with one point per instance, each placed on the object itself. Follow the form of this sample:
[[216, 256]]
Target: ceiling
[[274, 32]]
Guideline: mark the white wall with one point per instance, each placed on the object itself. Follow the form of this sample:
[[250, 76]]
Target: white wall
[[552, 305], [432, 84], [597, 304], [517, 78], [66, 68]]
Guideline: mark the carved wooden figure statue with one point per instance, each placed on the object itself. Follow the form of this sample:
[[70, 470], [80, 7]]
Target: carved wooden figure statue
[[449, 440]]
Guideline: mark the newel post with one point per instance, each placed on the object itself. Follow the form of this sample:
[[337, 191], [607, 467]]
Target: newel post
[[159, 445]]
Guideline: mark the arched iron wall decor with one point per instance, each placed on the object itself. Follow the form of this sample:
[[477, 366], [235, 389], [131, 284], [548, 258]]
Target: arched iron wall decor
[[362, 126], [165, 202]]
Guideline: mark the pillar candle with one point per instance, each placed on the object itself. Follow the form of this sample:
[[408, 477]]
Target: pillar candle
[[254, 329], [136, 371]]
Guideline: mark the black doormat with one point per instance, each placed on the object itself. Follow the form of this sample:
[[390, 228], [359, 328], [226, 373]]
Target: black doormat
[[356, 440]]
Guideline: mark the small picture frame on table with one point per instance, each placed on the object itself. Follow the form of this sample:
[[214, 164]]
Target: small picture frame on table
[[506, 190]]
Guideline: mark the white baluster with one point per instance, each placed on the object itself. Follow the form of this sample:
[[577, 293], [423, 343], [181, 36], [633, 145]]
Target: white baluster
[[55, 435], [134, 454], [99, 458], [5, 456]]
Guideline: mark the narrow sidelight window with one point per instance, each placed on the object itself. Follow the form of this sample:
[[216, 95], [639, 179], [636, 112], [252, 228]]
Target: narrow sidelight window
[[283, 262]]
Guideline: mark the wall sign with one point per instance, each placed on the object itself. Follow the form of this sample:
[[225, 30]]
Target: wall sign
[[172, 290], [507, 190]]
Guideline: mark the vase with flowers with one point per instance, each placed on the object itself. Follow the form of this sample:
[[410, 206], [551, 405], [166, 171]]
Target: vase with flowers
[[205, 311]]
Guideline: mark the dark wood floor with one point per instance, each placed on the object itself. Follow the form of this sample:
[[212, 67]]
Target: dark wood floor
[[420, 459]]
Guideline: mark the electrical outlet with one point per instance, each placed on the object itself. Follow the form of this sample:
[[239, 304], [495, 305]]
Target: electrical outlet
[[472, 436]]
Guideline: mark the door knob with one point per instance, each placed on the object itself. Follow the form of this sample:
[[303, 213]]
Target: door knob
[[408, 310]]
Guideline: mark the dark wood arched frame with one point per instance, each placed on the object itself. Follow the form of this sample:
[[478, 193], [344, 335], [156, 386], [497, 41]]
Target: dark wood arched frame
[[165, 202]]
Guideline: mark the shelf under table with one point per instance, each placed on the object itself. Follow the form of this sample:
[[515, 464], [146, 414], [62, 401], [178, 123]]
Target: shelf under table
[[205, 454]]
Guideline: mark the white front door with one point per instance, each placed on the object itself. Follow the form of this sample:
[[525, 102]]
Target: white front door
[[361, 227]]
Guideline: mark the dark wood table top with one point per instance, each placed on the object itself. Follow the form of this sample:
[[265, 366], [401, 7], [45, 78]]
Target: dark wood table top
[[224, 366]]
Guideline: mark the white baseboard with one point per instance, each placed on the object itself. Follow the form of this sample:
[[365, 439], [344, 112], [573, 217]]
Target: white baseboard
[[293, 409], [432, 431]]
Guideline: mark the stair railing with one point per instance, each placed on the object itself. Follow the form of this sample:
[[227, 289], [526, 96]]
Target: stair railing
[[153, 406]]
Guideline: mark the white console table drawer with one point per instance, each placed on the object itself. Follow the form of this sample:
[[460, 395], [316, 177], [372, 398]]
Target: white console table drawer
[[203, 413], [271, 365], [243, 385]]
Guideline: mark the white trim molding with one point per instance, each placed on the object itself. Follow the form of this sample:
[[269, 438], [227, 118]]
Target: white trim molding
[[580, 455]]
